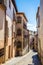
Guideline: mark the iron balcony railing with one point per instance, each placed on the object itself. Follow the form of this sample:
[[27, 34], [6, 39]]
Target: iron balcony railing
[[19, 32]]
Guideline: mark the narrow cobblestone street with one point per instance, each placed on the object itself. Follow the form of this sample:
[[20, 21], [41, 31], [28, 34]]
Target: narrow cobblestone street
[[30, 59], [21, 32]]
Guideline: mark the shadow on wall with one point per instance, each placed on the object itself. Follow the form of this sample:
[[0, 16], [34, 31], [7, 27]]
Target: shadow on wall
[[36, 60]]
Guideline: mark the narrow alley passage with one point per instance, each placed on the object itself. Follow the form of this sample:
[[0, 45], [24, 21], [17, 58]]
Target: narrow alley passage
[[30, 59]]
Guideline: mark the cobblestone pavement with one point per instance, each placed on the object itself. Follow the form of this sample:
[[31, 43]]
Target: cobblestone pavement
[[30, 59]]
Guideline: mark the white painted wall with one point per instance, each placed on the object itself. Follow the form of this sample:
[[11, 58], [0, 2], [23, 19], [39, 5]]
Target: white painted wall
[[9, 17]]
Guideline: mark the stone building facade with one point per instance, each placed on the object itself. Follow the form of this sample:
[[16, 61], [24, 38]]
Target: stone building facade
[[21, 39], [8, 11], [38, 31], [2, 30], [14, 35], [39, 17]]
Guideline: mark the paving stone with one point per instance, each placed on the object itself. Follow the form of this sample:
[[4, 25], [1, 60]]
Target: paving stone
[[31, 58]]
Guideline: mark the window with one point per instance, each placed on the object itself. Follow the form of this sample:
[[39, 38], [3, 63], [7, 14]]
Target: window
[[19, 44], [19, 32], [10, 4], [19, 19]]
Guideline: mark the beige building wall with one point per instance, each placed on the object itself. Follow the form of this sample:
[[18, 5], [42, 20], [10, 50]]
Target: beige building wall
[[40, 33], [35, 42], [24, 43], [2, 26], [24, 40], [41, 29], [2, 31], [40, 41], [14, 35], [6, 28], [9, 19]]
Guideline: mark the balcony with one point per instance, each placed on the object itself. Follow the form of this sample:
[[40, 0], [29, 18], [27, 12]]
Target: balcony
[[1, 52], [19, 19], [19, 32], [19, 44]]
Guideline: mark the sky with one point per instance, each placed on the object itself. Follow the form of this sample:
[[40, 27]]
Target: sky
[[29, 7]]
